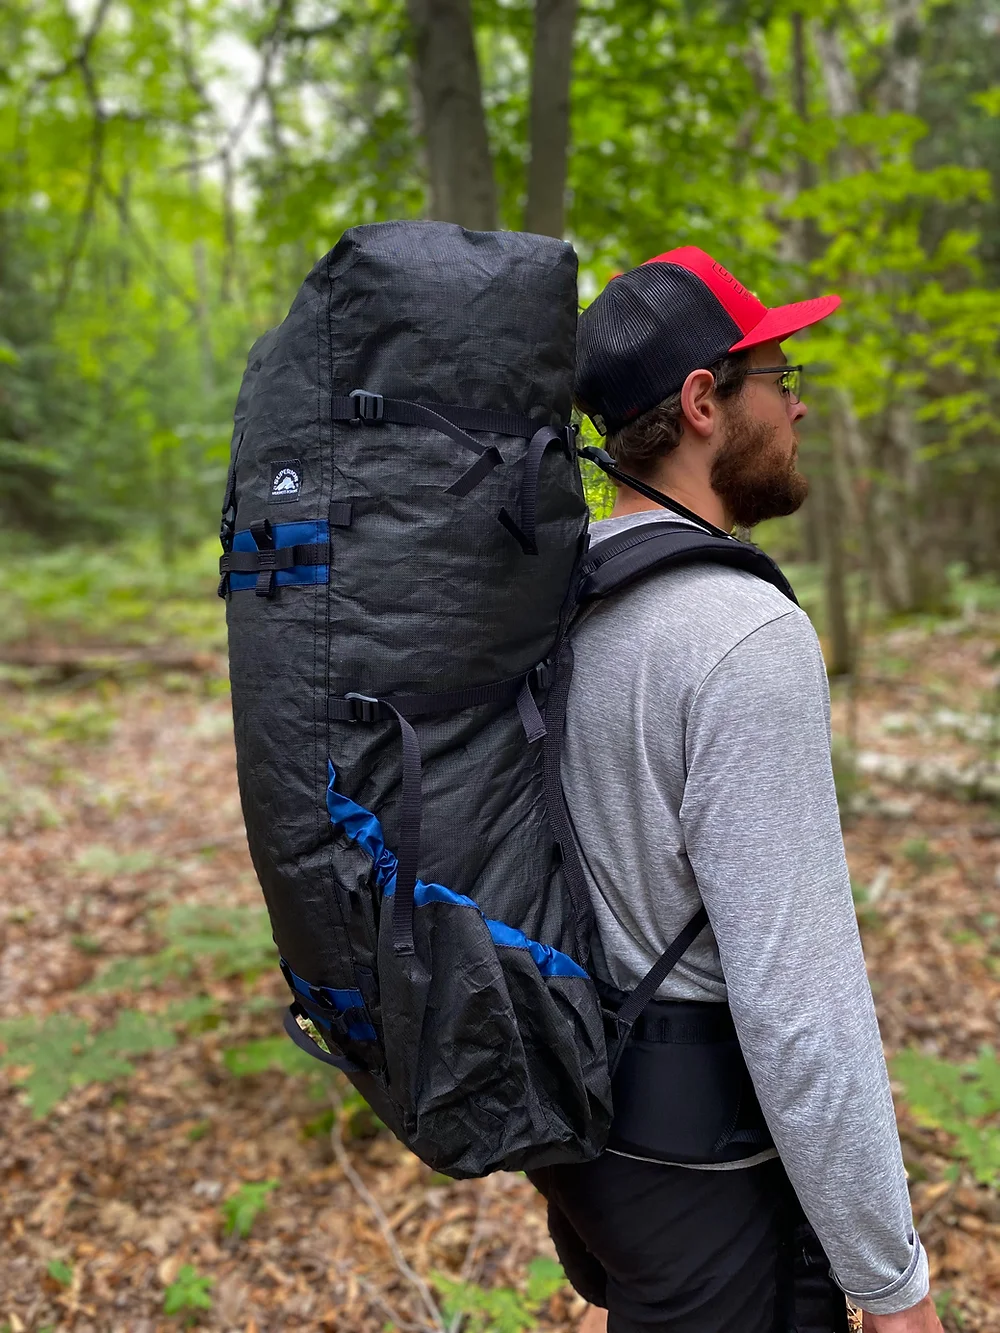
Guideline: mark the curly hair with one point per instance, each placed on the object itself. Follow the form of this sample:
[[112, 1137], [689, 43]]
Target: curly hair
[[639, 446]]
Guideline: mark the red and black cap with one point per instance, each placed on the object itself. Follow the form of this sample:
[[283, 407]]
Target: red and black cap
[[650, 327]]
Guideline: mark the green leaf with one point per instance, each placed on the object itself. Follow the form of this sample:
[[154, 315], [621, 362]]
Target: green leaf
[[242, 1208], [188, 1292], [60, 1272]]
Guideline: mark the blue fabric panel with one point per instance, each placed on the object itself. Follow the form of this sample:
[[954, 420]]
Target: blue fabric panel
[[285, 534], [361, 826]]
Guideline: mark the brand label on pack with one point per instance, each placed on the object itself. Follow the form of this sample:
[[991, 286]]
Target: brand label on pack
[[286, 480]]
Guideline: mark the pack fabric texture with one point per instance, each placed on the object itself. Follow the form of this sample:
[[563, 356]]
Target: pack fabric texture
[[402, 522], [697, 770]]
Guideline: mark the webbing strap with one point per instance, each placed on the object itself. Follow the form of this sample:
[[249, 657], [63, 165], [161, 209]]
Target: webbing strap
[[285, 557], [660, 970], [364, 407], [361, 708], [306, 1043], [263, 537], [524, 529], [409, 838]]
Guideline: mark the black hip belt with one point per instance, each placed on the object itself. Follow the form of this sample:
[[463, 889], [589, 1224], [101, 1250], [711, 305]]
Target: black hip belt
[[682, 1091]]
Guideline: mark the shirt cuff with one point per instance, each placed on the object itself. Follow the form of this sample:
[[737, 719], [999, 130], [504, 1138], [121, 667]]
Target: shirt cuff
[[902, 1294]]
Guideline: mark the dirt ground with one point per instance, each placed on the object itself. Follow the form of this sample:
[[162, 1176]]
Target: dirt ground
[[118, 800]]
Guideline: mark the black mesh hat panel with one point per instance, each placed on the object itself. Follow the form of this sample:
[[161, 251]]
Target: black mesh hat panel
[[643, 336]]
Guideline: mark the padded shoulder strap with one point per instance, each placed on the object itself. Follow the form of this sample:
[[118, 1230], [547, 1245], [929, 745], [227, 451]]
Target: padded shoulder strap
[[616, 562]]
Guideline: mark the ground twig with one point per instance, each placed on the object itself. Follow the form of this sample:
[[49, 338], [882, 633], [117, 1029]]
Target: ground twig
[[375, 1208]]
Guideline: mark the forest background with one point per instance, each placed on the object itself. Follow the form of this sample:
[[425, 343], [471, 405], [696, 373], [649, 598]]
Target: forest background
[[172, 171], [169, 172]]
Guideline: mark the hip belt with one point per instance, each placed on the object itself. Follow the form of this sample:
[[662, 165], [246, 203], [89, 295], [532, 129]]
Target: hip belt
[[681, 1088]]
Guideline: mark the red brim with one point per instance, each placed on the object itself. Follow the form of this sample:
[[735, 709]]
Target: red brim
[[784, 320]]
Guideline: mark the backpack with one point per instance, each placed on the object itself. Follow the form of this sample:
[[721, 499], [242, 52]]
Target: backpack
[[401, 564]]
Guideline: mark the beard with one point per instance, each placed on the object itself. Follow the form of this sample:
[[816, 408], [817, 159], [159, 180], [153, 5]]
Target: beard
[[751, 474]]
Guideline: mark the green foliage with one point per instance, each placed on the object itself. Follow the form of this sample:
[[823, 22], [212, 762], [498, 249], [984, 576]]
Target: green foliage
[[50, 1058], [60, 1271], [229, 941], [269, 1053], [123, 594], [961, 1099], [245, 1205], [500, 1309], [188, 1293]]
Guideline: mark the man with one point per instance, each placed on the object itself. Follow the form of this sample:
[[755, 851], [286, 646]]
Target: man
[[697, 771]]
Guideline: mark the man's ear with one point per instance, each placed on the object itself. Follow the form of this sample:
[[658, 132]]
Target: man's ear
[[701, 411]]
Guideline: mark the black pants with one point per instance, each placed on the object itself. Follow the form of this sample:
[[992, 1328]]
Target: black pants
[[670, 1250]]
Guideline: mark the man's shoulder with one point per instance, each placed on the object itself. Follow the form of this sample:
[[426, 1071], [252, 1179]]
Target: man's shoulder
[[693, 615]]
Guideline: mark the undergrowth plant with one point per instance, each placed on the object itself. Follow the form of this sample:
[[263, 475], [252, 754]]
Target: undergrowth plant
[[961, 1099], [187, 1294], [499, 1309], [49, 1059], [231, 941], [244, 1206]]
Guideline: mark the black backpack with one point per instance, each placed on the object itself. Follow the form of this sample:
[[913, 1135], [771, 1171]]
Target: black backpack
[[402, 563]]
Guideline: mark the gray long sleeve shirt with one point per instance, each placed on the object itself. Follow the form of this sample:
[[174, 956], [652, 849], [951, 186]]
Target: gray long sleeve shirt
[[697, 769]]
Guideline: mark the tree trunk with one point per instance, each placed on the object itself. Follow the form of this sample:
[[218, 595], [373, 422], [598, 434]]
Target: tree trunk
[[885, 452], [840, 646], [555, 21], [447, 78]]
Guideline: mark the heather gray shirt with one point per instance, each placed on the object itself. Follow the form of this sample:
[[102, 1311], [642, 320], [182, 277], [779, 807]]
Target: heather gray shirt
[[697, 769]]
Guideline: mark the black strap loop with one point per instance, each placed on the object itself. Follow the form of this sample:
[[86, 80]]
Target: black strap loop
[[305, 1043], [260, 531], [524, 531], [660, 970]]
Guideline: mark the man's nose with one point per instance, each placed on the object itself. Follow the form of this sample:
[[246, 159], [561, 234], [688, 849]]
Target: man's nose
[[798, 411]]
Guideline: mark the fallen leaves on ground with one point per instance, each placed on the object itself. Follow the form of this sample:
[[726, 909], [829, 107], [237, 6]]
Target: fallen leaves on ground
[[118, 802]]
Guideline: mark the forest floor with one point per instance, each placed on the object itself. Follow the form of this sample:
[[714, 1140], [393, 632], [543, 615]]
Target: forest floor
[[166, 1158]]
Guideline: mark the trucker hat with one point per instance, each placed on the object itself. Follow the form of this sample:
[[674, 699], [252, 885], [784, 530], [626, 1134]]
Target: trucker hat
[[650, 327]]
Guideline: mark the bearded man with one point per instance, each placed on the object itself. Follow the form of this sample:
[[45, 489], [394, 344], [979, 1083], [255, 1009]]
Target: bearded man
[[754, 1173]]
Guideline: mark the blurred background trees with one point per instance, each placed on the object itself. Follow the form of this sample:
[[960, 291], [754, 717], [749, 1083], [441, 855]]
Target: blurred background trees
[[172, 170]]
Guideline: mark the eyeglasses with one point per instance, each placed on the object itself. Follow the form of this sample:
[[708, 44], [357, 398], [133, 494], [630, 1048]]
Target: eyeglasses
[[789, 378]]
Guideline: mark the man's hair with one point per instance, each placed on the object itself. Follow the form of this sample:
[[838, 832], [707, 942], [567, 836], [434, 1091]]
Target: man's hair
[[637, 447]]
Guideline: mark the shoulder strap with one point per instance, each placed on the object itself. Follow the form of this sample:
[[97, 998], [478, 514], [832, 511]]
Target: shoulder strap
[[616, 562]]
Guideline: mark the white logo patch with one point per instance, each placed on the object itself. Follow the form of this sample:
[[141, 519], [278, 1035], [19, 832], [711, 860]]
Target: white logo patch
[[286, 481]]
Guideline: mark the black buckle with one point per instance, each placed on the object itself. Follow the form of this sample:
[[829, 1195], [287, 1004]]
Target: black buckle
[[363, 708], [368, 407], [540, 676]]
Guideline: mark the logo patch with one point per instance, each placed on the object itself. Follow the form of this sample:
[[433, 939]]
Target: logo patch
[[286, 480]]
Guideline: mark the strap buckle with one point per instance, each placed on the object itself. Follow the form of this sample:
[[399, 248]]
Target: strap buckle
[[363, 708], [540, 676], [368, 407]]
